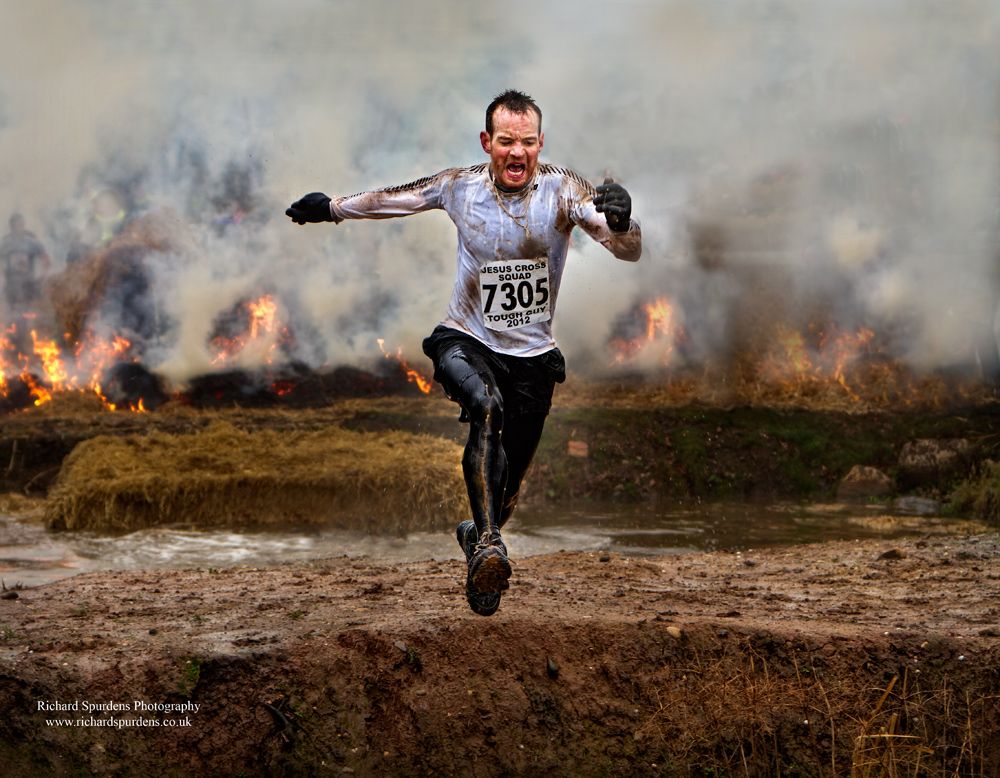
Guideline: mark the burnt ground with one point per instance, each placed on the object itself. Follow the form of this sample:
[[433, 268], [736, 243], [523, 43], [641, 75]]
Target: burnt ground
[[811, 660]]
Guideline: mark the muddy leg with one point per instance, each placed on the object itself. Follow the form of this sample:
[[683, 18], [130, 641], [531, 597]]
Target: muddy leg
[[520, 441], [484, 462]]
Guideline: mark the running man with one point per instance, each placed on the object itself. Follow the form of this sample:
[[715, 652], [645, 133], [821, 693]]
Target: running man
[[494, 353]]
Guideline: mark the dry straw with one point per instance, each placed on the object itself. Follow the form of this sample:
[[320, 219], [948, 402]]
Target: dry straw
[[380, 482], [753, 710]]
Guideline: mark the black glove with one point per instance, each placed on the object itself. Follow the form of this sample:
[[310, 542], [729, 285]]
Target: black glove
[[613, 201], [312, 208]]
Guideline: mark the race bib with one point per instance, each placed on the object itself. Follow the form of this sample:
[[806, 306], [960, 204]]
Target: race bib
[[514, 293]]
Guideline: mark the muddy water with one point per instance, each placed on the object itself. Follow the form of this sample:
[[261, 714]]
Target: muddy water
[[31, 555]]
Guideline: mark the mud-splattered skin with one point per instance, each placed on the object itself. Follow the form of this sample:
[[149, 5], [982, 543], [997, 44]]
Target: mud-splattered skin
[[513, 146], [534, 222]]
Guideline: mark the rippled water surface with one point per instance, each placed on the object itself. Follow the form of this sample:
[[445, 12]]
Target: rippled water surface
[[31, 555]]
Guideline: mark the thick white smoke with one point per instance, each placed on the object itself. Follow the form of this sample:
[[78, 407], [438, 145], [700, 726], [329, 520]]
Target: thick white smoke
[[845, 152]]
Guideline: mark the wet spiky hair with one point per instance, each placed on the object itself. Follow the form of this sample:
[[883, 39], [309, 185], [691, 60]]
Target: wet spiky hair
[[515, 102]]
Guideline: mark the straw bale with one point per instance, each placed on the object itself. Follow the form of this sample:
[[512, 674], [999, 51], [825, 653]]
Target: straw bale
[[378, 482]]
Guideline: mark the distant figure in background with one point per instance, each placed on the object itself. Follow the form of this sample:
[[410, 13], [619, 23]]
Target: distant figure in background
[[101, 216], [494, 353], [25, 264]]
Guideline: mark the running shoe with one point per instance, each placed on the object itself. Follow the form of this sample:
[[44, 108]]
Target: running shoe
[[489, 567], [467, 537], [479, 552]]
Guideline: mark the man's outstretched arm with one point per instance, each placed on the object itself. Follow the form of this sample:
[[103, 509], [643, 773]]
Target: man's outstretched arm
[[415, 197]]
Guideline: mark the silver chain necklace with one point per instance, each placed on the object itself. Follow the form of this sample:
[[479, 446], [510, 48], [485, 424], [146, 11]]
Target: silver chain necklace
[[523, 225]]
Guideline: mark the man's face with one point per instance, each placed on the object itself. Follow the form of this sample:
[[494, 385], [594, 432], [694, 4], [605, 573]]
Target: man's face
[[514, 147]]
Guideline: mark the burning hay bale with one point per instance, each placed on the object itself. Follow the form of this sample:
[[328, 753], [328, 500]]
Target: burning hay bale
[[132, 385], [379, 482], [117, 270]]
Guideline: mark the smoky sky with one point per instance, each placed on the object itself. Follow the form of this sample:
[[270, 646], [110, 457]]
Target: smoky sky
[[843, 152]]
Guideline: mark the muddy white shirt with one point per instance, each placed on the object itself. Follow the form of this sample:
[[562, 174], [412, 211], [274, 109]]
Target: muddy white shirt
[[511, 247]]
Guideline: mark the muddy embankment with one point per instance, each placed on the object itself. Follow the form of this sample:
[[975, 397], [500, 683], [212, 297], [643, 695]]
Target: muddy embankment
[[814, 660], [801, 661]]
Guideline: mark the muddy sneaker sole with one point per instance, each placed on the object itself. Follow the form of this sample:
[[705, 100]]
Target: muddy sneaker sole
[[489, 570], [482, 603]]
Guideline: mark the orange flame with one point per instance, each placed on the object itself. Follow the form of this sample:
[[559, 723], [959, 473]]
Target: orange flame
[[55, 369], [262, 326], [262, 314], [791, 361], [94, 356], [42, 395], [411, 375], [281, 388], [660, 332], [46, 369]]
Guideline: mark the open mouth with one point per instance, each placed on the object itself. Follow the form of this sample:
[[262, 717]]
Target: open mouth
[[515, 171]]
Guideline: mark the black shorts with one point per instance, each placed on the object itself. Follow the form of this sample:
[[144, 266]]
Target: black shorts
[[525, 383]]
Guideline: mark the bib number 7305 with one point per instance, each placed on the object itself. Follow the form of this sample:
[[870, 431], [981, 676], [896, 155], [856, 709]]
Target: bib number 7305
[[515, 293]]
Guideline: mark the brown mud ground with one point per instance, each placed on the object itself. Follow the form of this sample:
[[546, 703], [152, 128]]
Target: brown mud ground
[[863, 658], [798, 661]]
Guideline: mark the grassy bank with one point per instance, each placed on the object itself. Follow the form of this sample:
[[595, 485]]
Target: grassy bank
[[743, 452]]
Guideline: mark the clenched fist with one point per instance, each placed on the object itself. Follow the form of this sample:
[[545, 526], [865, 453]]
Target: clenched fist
[[614, 202], [312, 208]]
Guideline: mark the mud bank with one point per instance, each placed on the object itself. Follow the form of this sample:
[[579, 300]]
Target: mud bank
[[800, 661]]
